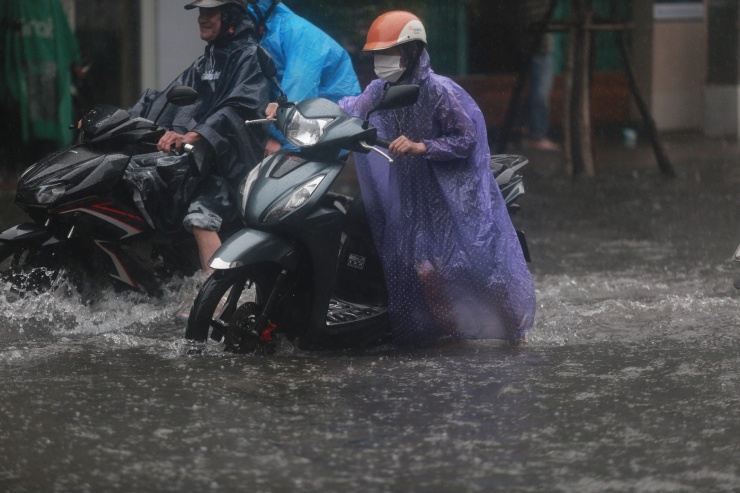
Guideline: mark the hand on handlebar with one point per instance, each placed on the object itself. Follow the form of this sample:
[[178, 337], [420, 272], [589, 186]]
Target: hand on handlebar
[[271, 146], [403, 146], [174, 141], [270, 115], [271, 111]]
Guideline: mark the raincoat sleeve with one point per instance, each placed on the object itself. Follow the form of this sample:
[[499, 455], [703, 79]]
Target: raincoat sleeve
[[457, 139], [360, 106]]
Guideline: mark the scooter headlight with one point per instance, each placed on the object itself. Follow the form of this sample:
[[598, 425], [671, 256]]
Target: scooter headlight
[[302, 131], [50, 193], [245, 187], [293, 201]]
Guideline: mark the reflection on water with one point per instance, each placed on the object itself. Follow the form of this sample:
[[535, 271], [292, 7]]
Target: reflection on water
[[629, 381]]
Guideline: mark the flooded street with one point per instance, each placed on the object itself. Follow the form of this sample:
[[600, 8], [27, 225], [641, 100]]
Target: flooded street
[[628, 382]]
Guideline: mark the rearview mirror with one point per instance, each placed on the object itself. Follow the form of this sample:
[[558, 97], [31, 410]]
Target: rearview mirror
[[398, 97], [179, 96], [182, 96]]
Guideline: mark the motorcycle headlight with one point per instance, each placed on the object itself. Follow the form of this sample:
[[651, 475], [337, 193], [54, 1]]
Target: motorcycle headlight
[[302, 131], [293, 201], [50, 193], [245, 187]]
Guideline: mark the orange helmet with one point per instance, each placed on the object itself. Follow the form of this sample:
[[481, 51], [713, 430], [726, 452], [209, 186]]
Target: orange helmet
[[394, 28]]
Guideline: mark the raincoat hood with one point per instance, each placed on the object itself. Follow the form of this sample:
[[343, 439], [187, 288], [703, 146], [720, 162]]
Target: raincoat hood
[[420, 71]]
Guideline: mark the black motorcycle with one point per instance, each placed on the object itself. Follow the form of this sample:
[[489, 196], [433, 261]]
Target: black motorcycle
[[108, 203], [305, 265]]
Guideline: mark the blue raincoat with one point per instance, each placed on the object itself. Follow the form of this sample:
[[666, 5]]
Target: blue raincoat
[[451, 257], [309, 62]]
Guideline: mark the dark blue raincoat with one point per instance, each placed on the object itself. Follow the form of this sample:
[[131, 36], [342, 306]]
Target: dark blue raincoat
[[451, 257], [232, 88]]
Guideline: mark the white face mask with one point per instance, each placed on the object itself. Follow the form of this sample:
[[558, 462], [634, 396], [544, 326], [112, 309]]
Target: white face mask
[[388, 67]]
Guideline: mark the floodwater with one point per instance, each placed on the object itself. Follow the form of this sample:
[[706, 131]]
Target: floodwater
[[628, 382]]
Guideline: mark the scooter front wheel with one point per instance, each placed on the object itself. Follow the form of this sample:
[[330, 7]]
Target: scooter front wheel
[[247, 332], [217, 302]]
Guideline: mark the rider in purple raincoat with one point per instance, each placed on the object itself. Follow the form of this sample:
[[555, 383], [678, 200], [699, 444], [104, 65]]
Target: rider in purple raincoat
[[451, 257]]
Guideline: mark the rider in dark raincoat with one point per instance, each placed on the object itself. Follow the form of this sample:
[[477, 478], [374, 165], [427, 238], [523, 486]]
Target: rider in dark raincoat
[[451, 257], [232, 89]]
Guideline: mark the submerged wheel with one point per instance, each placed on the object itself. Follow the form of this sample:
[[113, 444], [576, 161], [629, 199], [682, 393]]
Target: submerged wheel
[[243, 335], [27, 268], [223, 305]]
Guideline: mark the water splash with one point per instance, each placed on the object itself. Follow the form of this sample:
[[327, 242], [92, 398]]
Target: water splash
[[97, 308]]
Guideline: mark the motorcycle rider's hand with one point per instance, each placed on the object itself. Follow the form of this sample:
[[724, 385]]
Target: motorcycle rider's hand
[[272, 146], [402, 146], [173, 140], [271, 110]]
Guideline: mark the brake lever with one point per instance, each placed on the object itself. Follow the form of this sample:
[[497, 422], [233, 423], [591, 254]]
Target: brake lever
[[367, 147], [261, 120]]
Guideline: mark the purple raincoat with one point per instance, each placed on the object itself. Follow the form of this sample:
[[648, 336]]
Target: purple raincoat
[[451, 258]]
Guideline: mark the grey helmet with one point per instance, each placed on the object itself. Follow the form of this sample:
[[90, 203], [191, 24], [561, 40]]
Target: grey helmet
[[209, 4]]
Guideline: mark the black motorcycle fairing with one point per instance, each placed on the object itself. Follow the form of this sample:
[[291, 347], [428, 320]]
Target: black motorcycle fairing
[[81, 171], [102, 119], [132, 136], [25, 232]]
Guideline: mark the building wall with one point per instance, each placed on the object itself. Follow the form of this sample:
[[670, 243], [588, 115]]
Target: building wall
[[170, 41], [679, 74], [670, 59], [723, 85]]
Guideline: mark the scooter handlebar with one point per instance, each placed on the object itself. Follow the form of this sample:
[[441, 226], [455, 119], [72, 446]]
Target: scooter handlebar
[[380, 141], [185, 149]]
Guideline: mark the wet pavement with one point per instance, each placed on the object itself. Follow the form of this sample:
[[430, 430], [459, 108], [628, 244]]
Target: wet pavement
[[628, 382]]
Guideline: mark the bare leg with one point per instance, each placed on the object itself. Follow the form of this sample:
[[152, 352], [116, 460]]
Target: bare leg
[[208, 242], [439, 304]]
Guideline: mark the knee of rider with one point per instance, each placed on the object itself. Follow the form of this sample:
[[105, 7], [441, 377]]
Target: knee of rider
[[425, 269]]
